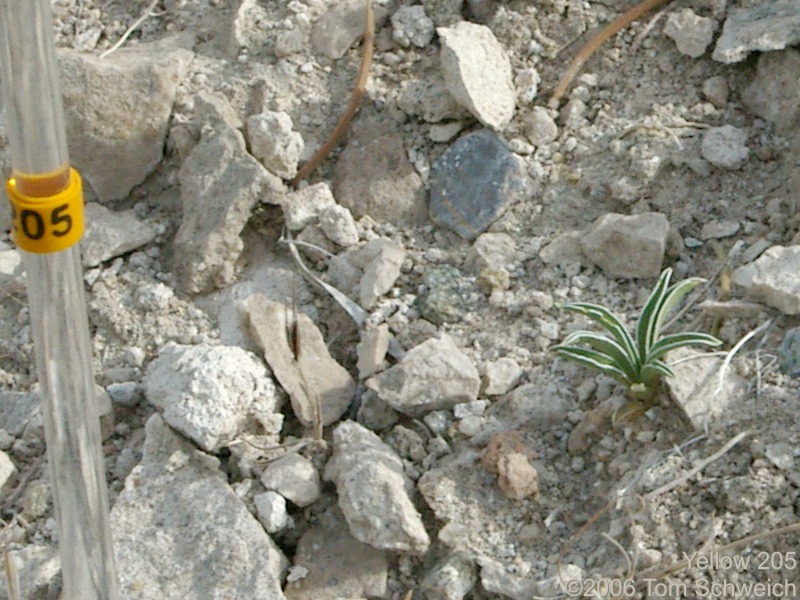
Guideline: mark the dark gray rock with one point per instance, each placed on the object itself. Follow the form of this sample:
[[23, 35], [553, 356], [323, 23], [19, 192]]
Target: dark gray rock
[[473, 183], [789, 352]]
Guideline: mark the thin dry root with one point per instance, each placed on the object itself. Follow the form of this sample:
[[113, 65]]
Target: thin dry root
[[620, 23], [352, 105]]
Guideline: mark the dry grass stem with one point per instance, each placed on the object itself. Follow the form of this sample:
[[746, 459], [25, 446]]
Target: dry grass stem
[[148, 12], [625, 19], [352, 105]]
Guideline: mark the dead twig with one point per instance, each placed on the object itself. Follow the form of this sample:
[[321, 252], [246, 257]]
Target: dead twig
[[598, 40], [352, 105]]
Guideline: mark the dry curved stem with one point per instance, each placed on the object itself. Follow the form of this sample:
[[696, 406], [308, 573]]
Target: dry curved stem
[[620, 23], [148, 12], [352, 105]]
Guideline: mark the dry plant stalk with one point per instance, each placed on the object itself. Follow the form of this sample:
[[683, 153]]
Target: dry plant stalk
[[620, 23], [352, 105]]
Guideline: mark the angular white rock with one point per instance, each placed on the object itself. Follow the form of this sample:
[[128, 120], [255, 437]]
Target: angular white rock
[[295, 478], [374, 492], [381, 260], [691, 33], [109, 234], [275, 143], [477, 72], [304, 206], [338, 225], [271, 511], [774, 278], [432, 376], [207, 392]]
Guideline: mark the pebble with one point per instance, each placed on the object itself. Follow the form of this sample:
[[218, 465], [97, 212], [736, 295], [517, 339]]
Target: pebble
[[476, 408], [338, 225], [527, 83], [516, 477], [725, 147], [207, 392], [445, 132], [789, 352], [691, 33], [765, 26], [540, 127], [474, 181], [780, 454], [410, 25], [451, 578], [110, 234], [341, 25], [434, 375], [275, 143], [429, 99], [773, 93], [477, 72], [271, 511], [719, 229], [491, 251], [501, 376], [304, 206], [128, 393], [613, 239], [381, 260], [295, 478], [372, 489], [371, 350], [716, 90], [774, 279], [471, 425], [442, 299], [8, 473]]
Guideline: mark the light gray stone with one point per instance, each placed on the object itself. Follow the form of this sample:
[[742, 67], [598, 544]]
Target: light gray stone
[[314, 374], [371, 350], [716, 90], [451, 578], [532, 404], [719, 229], [695, 387], [295, 478], [496, 579], [275, 143], [773, 93], [380, 260], [410, 25], [491, 251], [774, 278], [429, 100], [11, 271], [724, 147], [117, 111], [501, 375], [768, 25], [780, 454], [220, 184], [564, 249], [271, 511], [338, 225], [477, 72], [177, 523], [39, 570], [207, 392], [338, 565], [374, 492], [110, 234], [432, 376], [691, 33], [8, 473], [540, 127], [304, 206], [341, 25], [613, 239]]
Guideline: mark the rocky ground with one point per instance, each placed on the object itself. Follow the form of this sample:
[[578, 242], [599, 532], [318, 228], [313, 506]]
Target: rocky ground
[[460, 458]]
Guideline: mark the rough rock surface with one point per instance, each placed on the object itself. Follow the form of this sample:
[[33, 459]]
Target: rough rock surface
[[380, 260], [772, 25], [432, 376], [477, 72], [312, 376], [339, 566], [774, 278], [109, 234], [295, 478], [725, 147], [274, 142], [690, 32], [207, 392], [614, 239], [772, 93], [373, 491], [220, 184], [177, 524], [474, 182], [341, 25], [117, 111]]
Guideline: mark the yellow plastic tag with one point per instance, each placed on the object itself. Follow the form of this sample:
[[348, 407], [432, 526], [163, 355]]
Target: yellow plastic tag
[[49, 223]]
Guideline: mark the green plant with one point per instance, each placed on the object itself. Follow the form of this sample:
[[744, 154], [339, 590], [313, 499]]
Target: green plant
[[635, 361]]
